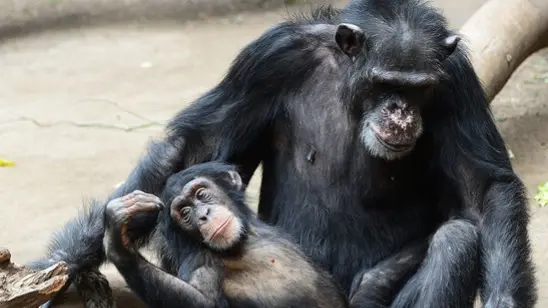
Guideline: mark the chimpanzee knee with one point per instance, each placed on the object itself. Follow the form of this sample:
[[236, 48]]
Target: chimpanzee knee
[[456, 236]]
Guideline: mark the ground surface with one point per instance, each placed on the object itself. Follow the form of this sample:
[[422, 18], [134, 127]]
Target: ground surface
[[54, 85]]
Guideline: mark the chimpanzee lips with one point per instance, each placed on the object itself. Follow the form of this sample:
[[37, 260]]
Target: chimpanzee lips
[[394, 147], [221, 228], [400, 147]]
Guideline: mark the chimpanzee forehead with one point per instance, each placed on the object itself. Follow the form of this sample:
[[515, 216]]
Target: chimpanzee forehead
[[403, 47], [210, 170], [400, 35]]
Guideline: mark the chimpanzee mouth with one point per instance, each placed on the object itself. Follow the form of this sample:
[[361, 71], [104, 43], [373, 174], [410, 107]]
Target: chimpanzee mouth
[[394, 147], [221, 228]]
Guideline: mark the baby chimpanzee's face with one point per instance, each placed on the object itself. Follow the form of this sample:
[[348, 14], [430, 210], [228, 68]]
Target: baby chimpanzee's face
[[205, 208]]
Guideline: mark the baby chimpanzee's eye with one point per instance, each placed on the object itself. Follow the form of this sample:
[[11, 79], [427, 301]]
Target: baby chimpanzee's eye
[[201, 194], [185, 214]]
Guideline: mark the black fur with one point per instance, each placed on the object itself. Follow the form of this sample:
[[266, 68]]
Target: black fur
[[238, 273], [291, 100]]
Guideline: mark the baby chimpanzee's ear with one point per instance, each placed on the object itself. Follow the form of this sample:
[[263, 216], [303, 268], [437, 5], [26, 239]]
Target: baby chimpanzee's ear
[[234, 179], [350, 39]]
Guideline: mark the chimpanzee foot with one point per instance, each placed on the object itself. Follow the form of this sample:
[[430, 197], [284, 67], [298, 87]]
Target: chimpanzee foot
[[95, 291]]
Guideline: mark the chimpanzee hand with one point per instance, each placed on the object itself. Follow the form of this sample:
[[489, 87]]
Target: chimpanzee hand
[[120, 212]]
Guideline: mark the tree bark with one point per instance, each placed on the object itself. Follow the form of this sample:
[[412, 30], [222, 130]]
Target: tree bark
[[501, 35], [21, 287]]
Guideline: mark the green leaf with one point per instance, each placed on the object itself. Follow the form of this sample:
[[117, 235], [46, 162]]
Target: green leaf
[[542, 196]]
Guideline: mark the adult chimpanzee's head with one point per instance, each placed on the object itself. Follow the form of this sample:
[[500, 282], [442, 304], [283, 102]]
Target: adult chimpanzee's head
[[397, 60], [207, 202]]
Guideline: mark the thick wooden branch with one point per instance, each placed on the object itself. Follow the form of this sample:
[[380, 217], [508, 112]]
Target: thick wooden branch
[[501, 35], [21, 287]]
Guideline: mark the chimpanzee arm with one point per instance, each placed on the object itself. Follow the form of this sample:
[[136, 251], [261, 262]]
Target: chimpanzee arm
[[156, 287], [474, 156], [378, 286], [160, 289]]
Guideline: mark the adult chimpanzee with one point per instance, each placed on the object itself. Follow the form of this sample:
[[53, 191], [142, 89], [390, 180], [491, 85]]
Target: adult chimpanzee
[[216, 253], [373, 131]]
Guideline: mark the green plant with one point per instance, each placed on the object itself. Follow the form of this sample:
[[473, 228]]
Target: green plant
[[542, 196]]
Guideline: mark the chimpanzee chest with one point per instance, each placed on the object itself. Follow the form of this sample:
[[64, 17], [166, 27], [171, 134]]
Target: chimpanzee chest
[[327, 153]]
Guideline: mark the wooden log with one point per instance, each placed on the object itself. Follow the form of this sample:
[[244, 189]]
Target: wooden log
[[501, 35], [21, 287]]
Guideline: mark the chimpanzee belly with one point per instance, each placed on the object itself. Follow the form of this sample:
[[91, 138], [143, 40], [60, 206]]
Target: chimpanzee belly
[[345, 244], [346, 224]]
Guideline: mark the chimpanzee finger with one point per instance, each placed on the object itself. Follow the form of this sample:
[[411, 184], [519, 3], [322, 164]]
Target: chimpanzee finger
[[134, 194], [152, 199], [141, 197], [143, 206], [159, 204]]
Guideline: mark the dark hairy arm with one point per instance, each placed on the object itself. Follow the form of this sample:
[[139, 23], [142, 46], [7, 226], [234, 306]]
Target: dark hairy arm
[[378, 286], [160, 289], [489, 186]]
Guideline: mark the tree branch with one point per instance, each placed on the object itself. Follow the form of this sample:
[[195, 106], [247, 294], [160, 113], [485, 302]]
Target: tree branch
[[501, 35], [23, 287]]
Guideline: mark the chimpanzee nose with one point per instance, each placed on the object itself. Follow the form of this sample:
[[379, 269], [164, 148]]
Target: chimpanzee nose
[[203, 214], [396, 103]]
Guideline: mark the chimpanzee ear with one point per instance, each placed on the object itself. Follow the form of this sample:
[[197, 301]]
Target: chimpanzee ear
[[234, 179], [350, 39], [450, 44]]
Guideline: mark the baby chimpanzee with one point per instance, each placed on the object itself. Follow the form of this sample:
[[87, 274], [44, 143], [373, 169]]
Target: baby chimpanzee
[[215, 252]]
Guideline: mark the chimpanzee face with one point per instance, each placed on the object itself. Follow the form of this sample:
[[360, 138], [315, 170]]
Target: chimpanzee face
[[395, 76], [205, 207]]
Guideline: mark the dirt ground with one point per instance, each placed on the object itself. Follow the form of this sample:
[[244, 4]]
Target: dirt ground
[[93, 97]]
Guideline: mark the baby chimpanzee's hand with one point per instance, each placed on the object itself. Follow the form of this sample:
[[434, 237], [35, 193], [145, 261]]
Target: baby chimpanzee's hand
[[120, 212]]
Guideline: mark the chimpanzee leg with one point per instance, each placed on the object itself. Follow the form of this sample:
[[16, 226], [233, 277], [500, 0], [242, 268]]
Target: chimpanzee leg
[[377, 287], [449, 275]]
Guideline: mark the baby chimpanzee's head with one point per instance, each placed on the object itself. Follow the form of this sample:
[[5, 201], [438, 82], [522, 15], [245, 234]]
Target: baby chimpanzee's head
[[207, 202]]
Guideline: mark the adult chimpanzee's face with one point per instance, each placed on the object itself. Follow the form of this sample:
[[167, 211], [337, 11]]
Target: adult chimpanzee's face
[[391, 124], [393, 79]]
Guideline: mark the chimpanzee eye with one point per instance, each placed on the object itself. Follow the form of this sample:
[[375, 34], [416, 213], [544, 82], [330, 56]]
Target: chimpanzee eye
[[185, 213], [201, 194]]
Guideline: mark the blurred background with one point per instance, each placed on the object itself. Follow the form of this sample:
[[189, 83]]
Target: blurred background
[[85, 84]]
